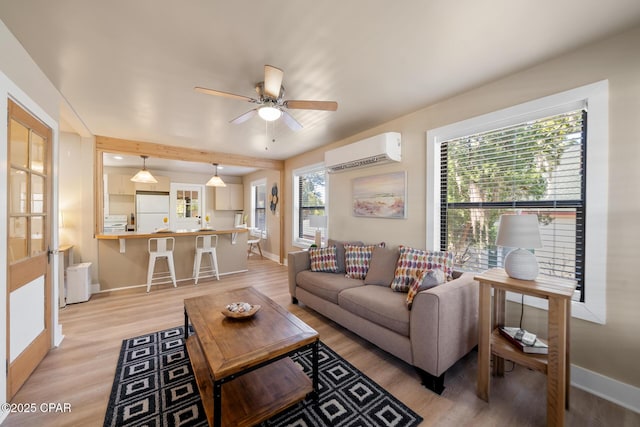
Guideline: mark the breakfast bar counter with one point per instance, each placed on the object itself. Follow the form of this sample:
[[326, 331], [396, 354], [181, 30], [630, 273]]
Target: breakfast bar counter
[[123, 257]]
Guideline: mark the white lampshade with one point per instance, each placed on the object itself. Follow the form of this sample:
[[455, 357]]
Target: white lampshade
[[215, 180], [269, 113], [318, 221], [521, 232], [143, 175]]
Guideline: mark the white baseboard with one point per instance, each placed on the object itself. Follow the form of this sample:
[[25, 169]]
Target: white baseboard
[[607, 388], [58, 336], [95, 288], [272, 257]]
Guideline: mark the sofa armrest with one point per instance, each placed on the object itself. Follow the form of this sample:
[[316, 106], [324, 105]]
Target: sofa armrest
[[297, 261], [444, 324]]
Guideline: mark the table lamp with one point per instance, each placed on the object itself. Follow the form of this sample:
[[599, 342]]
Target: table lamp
[[318, 221], [521, 232]]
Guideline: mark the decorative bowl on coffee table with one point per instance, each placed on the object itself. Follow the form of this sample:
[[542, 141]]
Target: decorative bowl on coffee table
[[240, 310]]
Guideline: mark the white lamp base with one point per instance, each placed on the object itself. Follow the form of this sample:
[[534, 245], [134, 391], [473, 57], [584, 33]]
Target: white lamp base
[[521, 264]]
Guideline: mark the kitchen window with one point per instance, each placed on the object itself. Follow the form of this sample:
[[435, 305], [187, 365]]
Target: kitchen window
[[258, 207], [547, 157]]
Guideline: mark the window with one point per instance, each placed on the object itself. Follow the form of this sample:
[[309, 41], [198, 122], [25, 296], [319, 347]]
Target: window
[[532, 158], [536, 167], [258, 206], [309, 186]]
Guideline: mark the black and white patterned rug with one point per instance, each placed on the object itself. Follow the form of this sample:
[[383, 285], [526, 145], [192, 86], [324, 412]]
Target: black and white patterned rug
[[154, 386]]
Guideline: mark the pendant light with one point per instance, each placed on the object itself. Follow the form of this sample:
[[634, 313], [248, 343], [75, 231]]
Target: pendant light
[[215, 180], [143, 175]]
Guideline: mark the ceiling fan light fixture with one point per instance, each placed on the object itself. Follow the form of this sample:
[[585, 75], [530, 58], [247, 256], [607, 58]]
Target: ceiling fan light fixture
[[215, 180], [143, 175], [270, 101], [269, 113]]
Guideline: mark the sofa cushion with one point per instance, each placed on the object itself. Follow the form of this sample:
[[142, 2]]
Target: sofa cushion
[[356, 260], [413, 261], [379, 305], [325, 285], [427, 279], [323, 259], [382, 266], [340, 251]]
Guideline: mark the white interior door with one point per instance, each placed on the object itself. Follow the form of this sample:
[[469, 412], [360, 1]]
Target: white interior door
[[187, 205]]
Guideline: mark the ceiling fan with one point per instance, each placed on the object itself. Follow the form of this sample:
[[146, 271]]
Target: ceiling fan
[[271, 102]]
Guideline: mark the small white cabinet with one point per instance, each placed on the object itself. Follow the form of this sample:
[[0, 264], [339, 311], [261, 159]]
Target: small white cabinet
[[230, 198]]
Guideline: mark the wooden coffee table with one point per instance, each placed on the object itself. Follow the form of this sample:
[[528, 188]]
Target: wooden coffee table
[[242, 366]]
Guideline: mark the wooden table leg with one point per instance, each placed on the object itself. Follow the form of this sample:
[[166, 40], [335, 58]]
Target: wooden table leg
[[557, 362], [567, 379], [499, 307], [484, 341]]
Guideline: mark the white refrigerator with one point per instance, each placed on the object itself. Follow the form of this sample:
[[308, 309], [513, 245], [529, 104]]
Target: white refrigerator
[[151, 209]]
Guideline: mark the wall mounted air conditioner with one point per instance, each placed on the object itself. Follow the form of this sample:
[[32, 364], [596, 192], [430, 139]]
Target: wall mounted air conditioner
[[376, 150]]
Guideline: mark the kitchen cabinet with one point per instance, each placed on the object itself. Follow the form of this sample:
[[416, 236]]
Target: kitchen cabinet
[[163, 185], [230, 198], [120, 184]]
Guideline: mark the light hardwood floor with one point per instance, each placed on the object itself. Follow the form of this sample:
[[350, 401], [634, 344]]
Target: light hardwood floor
[[80, 372]]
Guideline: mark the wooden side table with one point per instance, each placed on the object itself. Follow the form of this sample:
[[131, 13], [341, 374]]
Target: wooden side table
[[555, 364]]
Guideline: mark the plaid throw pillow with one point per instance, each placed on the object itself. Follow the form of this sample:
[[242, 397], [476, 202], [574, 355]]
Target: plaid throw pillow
[[323, 259]]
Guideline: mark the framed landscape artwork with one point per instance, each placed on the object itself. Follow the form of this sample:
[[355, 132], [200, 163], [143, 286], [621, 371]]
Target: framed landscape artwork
[[380, 196]]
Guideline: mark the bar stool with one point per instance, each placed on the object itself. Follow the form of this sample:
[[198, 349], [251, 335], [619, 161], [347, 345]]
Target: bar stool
[[206, 244], [160, 247], [254, 243]]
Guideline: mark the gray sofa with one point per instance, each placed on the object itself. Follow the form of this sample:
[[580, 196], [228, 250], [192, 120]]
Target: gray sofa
[[439, 329]]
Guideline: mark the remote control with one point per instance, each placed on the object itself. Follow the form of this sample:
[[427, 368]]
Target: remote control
[[519, 334], [528, 338]]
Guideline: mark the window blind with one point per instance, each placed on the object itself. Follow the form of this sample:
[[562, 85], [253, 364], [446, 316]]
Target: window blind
[[259, 203], [536, 167], [311, 196]]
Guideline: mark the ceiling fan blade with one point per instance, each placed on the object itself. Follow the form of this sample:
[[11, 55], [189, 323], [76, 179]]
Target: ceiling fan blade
[[272, 81], [244, 117], [225, 94], [312, 105], [290, 121]]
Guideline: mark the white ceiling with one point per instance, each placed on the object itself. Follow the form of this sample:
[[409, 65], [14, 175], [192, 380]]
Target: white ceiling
[[128, 68]]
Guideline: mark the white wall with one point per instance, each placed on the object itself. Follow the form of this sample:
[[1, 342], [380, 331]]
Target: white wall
[[75, 198], [271, 245], [610, 349], [22, 81]]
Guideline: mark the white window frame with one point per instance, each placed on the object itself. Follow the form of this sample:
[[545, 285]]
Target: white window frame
[[595, 97], [254, 231], [296, 173]]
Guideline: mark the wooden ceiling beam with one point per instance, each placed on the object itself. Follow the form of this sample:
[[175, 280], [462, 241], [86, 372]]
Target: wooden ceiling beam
[[126, 146]]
